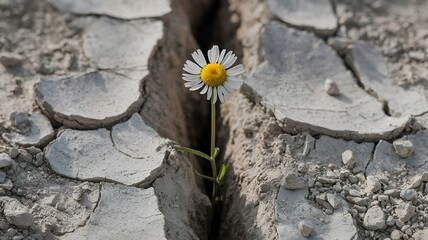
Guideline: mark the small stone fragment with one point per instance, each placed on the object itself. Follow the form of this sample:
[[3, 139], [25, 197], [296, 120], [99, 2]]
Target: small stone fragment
[[8, 185], [424, 177], [2, 177], [408, 194], [10, 60], [292, 182], [14, 152], [372, 184], [390, 221], [348, 159], [403, 148], [321, 199], [33, 150], [5, 160], [405, 211], [331, 87], [16, 213], [77, 194], [357, 200], [39, 159], [334, 201], [396, 234], [417, 55], [305, 229], [374, 219]]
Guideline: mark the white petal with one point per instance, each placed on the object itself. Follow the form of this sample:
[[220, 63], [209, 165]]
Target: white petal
[[220, 58], [194, 88], [193, 65], [215, 95], [223, 89], [202, 57], [215, 54], [191, 84], [198, 59], [204, 90], [236, 70], [210, 91], [210, 55], [226, 57], [190, 70], [191, 78], [228, 88], [220, 94], [231, 61]]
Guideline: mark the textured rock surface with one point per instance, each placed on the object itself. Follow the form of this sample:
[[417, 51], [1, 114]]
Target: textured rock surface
[[292, 87], [39, 134], [92, 100], [385, 158], [123, 213], [119, 9], [368, 64], [315, 15], [289, 208], [103, 155]]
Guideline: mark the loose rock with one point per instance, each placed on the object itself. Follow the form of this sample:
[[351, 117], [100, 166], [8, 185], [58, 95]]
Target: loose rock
[[331, 88], [408, 194], [305, 229], [5, 160], [403, 148], [16, 213], [292, 182], [405, 211], [374, 219]]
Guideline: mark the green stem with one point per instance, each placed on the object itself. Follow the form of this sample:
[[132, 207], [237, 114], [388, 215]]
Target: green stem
[[196, 152], [213, 149], [203, 176]]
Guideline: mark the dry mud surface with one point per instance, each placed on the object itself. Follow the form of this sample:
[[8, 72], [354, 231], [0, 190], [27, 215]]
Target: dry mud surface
[[326, 139]]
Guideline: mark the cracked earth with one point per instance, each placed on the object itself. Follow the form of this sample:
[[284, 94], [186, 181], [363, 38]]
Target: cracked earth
[[326, 139]]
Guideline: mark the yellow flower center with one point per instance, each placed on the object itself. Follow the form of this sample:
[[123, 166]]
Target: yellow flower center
[[213, 75]]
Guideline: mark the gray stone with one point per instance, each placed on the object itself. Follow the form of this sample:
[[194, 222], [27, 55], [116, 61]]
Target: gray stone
[[292, 182], [374, 219], [340, 44], [417, 55], [21, 121], [305, 229], [40, 133], [123, 212], [421, 234], [372, 184], [368, 64], [396, 234], [5, 160], [289, 208], [348, 159], [405, 211], [33, 150], [92, 100], [385, 158], [2, 177], [118, 9], [16, 213], [403, 148], [14, 152], [304, 60], [8, 185], [321, 199], [334, 201], [314, 15], [424, 177], [408, 194], [331, 87], [10, 60], [128, 154]]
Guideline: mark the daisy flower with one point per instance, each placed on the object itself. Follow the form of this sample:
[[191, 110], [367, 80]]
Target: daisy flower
[[216, 78]]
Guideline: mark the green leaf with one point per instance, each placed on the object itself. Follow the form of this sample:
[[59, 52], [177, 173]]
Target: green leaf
[[221, 174]]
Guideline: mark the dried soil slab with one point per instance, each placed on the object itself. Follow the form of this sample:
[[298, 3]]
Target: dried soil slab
[[329, 150], [292, 207], [291, 84], [93, 155], [96, 99], [385, 158], [368, 64], [115, 44], [314, 15], [123, 213], [124, 9], [39, 135]]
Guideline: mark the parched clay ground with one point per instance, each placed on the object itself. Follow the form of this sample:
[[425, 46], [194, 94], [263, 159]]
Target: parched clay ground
[[326, 139]]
